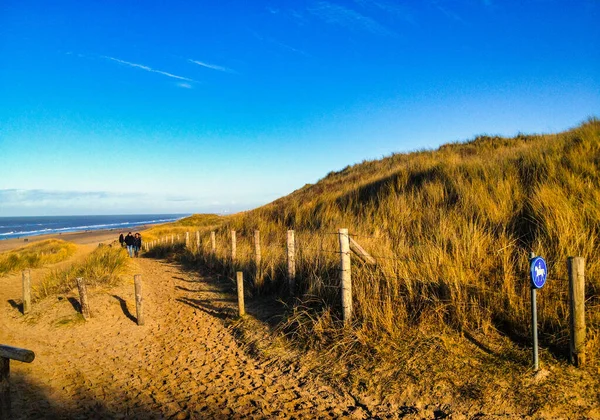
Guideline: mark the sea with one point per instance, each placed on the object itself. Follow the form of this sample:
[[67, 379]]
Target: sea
[[20, 227]]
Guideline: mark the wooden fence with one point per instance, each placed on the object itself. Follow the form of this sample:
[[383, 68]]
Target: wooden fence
[[349, 246], [8, 353]]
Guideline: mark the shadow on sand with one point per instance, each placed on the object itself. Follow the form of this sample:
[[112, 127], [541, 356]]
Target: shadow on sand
[[75, 304], [125, 309], [31, 400], [264, 309], [15, 305], [206, 307]]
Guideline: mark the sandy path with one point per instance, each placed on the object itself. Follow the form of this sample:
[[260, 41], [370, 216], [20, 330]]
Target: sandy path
[[184, 363]]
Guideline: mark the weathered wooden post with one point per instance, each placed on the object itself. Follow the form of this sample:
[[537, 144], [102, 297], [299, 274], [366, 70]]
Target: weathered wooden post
[[233, 246], [361, 253], [139, 301], [576, 269], [240, 293], [5, 411], [291, 261], [213, 243], [257, 255], [345, 277], [6, 354], [197, 242], [83, 299], [187, 240], [26, 291]]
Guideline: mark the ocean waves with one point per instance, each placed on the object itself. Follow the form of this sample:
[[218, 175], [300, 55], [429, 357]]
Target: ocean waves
[[19, 227]]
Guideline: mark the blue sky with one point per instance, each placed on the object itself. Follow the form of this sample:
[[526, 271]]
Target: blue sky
[[171, 106]]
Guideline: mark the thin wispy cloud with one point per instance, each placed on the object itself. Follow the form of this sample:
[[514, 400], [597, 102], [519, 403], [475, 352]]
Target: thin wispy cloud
[[281, 45], [150, 69], [291, 14], [185, 85], [39, 197], [339, 15], [212, 66], [396, 10], [447, 12]]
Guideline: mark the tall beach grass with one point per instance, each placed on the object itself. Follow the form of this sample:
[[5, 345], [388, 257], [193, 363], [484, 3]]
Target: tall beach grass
[[103, 267], [35, 255]]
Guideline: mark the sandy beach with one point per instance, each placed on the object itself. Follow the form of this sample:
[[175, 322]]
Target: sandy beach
[[82, 238]]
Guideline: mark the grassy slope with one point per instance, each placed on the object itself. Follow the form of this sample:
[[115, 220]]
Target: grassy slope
[[35, 255], [452, 230], [460, 223]]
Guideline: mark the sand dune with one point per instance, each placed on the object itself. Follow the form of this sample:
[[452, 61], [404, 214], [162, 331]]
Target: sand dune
[[184, 363]]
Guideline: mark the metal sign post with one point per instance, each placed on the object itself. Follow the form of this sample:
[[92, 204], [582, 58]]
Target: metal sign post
[[538, 273]]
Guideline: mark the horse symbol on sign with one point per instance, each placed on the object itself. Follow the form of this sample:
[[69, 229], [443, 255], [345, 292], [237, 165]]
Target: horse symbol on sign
[[538, 272]]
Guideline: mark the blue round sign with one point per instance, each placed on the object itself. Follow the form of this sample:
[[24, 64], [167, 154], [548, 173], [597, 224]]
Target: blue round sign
[[538, 272]]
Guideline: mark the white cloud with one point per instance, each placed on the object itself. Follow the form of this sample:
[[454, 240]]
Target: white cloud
[[35, 202], [212, 66], [150, 69], [280, 44], [397, 10], [340, 15]]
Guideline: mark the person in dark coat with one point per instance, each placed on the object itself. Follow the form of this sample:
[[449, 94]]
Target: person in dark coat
[[121, 239], [137, 244], [129, 241]]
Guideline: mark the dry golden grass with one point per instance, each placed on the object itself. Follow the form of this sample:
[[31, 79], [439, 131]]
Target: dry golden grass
[[104, 266], [36, 255], [451, 230], [180, 227]]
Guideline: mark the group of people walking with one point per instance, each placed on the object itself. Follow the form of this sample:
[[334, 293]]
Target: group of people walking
[[133, 243]]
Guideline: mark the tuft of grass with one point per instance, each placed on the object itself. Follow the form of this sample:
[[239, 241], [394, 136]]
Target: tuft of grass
[[69, 320], [104, 266], [35, 255]]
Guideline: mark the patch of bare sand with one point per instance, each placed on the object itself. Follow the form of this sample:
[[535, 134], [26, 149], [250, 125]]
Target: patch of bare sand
[[184, 363]]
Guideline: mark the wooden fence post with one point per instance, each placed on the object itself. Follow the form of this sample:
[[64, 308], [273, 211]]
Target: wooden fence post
[[291, 261], [240, 293], [139, 301], [257, 254], [6, 354], [83, 300], [197, 241], [26, 291], [172, 239], [576, 269], [233, 246], [345, 278], [361, 253], [213, 242], [187, 239], [5, 411]]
